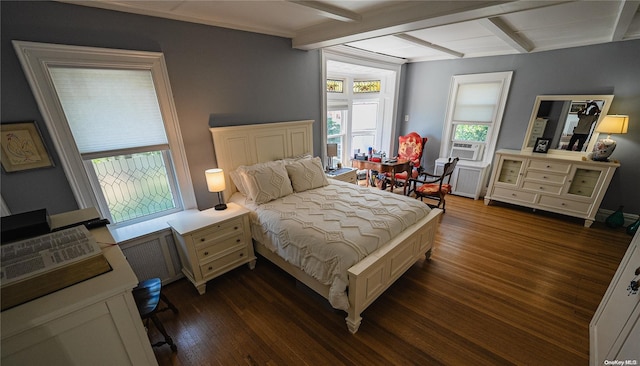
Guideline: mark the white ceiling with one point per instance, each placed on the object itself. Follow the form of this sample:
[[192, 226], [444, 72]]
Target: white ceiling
[[411, 30]]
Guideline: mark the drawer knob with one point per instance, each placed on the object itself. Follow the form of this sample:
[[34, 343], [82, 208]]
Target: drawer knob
[[210, 268], [241, 254], [235, 228], [201, 239], [562, 204], [206, 253], [548, 166], [542, 188], [238, 240]]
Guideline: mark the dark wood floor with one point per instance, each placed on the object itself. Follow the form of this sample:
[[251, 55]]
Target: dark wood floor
[[504, 286]]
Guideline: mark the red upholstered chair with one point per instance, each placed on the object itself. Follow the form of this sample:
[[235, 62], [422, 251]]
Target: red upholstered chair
[[410, 147], [434, 187]]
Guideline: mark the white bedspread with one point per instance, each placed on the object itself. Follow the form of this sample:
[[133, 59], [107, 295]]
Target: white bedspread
[[324, 231]]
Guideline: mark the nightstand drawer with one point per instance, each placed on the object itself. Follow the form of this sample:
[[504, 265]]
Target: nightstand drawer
[[223, 262], [218, 231], [204, 253]]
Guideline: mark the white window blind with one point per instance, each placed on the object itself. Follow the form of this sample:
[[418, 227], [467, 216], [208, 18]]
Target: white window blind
[[477, 102], [110, 109]]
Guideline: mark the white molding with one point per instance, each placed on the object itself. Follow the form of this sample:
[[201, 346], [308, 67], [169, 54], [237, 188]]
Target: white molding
[[4, 209], [37, 57], [504, 77]]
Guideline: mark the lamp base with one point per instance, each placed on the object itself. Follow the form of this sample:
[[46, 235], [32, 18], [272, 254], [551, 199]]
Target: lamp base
[[220, 207], [603, 149]]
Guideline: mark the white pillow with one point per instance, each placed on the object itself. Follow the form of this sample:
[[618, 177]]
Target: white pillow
[[307, 174], [236, 178], [266, 181]]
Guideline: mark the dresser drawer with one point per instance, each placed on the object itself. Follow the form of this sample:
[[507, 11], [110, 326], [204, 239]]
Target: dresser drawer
[[512, 195], [213, 250], [223, 262], [217, 231], [550, 166], [545, 177], [542, 187], [565, 205]]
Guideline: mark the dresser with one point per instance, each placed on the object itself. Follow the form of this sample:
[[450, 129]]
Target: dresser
[[211, 243], [556, 183], [94, 322]]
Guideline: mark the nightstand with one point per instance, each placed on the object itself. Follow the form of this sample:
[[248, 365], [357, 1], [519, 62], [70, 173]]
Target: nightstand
[[344, 174], [211, 243]]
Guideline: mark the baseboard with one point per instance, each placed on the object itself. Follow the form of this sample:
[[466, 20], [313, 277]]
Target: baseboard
[[602, 215]]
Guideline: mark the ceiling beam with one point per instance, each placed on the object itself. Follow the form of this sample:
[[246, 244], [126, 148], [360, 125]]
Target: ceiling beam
[[426, 44], [406, 17], [503, 31], [330, 11], [627, 12]]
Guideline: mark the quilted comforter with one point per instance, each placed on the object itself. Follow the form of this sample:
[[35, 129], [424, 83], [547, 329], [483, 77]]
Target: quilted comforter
[[326, 230]]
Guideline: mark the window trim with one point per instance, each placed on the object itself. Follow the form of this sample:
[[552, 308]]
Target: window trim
[[494, 130], [35, 59]]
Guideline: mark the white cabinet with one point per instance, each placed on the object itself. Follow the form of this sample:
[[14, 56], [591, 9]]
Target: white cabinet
[[560, 184], [614, 330], [94, 322], [345, 174], [211, 243], [468, 179]]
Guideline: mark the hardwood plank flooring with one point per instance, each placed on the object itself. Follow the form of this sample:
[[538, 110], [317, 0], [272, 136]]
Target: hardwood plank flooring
[[505, 286]]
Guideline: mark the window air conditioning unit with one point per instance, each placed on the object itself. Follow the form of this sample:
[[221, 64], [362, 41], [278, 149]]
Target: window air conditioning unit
[[466, 151]]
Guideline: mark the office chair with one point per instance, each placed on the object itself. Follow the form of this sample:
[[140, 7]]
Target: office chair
[[147, 295]]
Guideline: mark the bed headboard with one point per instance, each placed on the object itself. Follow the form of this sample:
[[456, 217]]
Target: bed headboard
[[251, 144]]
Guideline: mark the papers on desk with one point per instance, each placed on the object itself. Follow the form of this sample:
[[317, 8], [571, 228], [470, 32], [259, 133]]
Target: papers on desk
[[26, 258], [38, 266]]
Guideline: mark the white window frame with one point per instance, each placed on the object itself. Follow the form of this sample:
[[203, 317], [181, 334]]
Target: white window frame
[[504, 78], [36, 59], [387, 107]]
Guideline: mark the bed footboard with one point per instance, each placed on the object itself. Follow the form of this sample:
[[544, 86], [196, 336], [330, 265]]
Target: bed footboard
[[373, 275]]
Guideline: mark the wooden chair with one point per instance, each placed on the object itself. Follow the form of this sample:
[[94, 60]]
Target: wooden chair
[[434, 187], [410, 148], [147, 296]]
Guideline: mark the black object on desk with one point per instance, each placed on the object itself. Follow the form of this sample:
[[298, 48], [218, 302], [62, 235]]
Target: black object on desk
[[25, 225]]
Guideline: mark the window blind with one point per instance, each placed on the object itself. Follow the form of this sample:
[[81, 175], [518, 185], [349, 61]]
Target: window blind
[[110, 109], [477, 102]]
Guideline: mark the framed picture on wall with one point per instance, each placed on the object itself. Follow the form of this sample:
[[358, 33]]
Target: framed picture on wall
[[542, 145], [22, 147], [577, 107]]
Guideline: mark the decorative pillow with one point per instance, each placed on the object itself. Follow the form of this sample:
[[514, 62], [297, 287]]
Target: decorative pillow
[[307, 174], [236, 178], [266, 182]]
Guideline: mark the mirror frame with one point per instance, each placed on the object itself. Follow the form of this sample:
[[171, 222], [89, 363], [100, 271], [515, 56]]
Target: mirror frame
[[608, 99]]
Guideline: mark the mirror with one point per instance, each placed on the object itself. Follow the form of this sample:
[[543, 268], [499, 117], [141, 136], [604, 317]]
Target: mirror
[[567, 121]]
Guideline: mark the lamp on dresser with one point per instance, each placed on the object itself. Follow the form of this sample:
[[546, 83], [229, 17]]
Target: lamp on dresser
[[614, 123], [216, 184]]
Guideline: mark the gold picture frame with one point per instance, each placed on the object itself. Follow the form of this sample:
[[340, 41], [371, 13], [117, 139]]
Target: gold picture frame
[[22, 147]]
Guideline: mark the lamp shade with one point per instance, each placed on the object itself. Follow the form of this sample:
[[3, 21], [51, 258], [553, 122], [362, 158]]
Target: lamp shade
[[613, 123], [332, 150], [215, 180]]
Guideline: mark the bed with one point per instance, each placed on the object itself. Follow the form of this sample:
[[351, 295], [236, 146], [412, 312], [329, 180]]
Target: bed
[[404, 231]]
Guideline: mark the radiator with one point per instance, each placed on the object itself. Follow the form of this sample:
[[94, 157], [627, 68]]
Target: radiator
[[154, 256]]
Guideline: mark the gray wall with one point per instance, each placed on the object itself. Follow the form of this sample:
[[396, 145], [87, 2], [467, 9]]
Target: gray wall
[[602, 69], [226, 77], [218, 76]]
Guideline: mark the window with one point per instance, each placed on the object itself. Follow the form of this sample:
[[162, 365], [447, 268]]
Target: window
[[113, 122], [363, 113], [474, 115]]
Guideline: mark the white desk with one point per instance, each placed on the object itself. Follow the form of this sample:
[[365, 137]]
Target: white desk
[[94, 322]]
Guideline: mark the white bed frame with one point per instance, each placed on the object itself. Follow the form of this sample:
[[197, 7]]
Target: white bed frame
[[369, 278]]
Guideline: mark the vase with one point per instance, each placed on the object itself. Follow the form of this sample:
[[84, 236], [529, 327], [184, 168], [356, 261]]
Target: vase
[[631, 229], [616, 219]]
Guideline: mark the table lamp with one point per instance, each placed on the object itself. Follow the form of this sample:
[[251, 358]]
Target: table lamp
[[614, 123], [332, 150], [216, 184]]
